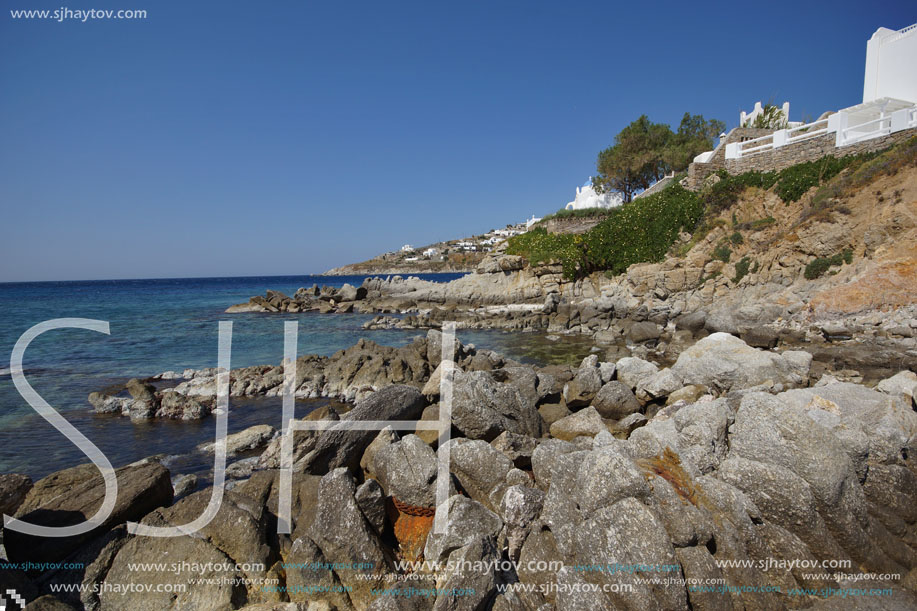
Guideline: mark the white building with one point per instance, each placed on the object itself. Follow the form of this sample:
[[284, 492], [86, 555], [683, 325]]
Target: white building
[[532, 221], [889, 100], [586, 197], [407, 248], [891, 65], [430, 252]]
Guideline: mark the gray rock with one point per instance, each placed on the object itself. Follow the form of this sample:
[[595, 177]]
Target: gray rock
[[760, 337], [518, 448], [631, 370], [552, 412], [604, 478], [693, 322], [177, 406], [535, 558], [658, 385], [386, 437], [640, 332], [252, 438], [481, 469], [407, 470], [631, 423], [188, 550], [482, 408], [586, 422], [702, 433], [521, 505], [607, 372], [721, 322], [344, 535], [544, 458], [71, 496], [574, 593], [184, 484], [477, 585], [726, 362], [13, 489], [371, 499], [467, 521], [106, 404], [581, 390], [312, 586], [903, 383], [342, 448], [615, 400], [629, 533], [887, 421]]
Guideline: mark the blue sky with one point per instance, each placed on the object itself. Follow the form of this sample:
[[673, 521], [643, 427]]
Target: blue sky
[[287, 137]]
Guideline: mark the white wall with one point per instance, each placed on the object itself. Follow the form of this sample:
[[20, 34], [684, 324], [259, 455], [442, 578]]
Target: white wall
[[891, 65]]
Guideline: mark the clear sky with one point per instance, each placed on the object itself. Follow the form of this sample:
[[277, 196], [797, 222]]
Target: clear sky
[[287, 137]]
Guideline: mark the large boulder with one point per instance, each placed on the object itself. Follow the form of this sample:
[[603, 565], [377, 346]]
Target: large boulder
[[580, 391], [344, 535], [252, 438], [766, 430], [189, 559], [482, 407], [615, 400], [862, 419], [631, 370], [725, 362], [355, 372], [407, 471], [343, 448], [481, 469], [13, 489], [586, 423], [466, 521], [903, 383], [71, 496]]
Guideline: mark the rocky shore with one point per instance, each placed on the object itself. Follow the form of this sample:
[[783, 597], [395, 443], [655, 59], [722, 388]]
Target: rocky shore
[[735, 464], [743, 437]]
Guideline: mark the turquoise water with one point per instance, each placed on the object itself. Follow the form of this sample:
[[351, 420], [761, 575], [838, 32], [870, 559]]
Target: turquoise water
[[160, 325]]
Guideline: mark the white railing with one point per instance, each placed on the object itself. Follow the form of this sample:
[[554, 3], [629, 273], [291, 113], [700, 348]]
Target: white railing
[[805, 132], [905, 118], [838, 123], [864, 131], [781, 137]]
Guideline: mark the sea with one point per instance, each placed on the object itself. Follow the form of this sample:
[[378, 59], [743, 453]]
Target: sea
[[171, 324]]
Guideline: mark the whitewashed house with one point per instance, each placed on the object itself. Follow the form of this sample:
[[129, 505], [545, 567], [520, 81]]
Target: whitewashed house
[[586, 197], [889, 100]]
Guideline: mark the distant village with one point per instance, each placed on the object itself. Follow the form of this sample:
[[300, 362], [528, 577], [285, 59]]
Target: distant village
[[440, 251]]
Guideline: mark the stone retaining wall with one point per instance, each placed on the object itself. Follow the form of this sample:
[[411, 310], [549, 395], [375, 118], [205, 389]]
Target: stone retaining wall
[[810, 150], [697, 172]]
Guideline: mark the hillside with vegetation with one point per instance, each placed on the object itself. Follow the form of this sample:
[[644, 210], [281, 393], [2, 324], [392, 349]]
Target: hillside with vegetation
[[819, 216]]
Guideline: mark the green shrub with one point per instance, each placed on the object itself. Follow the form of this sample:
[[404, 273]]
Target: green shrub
[[794, 181], [742, 268], [725, 193], [722, 252], [818, 267], [640, 231], [580, 213], [736, 238]]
